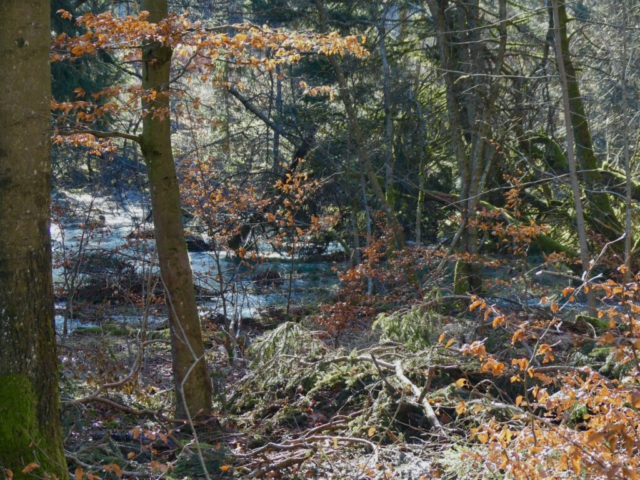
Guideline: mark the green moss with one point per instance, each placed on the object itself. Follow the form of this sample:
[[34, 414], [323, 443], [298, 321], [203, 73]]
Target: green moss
[[164, 334], [88, 331], [600, 326], [21, 439], [111, 329], [461, 279], [547, 245], [578, 413], [600, 354]]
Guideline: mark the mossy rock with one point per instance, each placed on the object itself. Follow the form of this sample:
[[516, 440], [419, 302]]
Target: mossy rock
[[111, 329], [600, 326], [591, 355], [600, 354], [164, 334], [620, 370], [578, 413]]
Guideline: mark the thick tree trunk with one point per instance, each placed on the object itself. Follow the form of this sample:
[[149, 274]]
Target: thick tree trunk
[[29, 416], [192, 382]]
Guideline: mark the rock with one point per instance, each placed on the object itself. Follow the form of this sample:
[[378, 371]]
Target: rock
[[267, 277], [197, 244], [141, 234], [215, 317]]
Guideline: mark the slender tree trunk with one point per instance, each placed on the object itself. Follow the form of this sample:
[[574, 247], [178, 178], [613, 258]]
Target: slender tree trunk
[[192, 382], [461, 50], [388, 119], [602, 217], [367, 212], [421, 166], [575, 185], [357, 257], [358, 137], [628, 230], [278, 121], [29, 416]]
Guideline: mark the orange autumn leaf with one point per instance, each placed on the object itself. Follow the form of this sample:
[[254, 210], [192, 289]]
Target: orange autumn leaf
[[31, 466]]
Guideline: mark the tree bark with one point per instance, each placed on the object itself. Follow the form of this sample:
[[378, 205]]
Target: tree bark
[[573, 174], [29, 417], [191, 378], [358, 137], [470, 113], [422, 163], [600, 207], [628, 226], [388, 119]]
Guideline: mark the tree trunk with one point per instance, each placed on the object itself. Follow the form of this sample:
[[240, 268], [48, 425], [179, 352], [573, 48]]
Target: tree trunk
[[29, 417], [470, 113], [573, 174], [602, 215], [192, 382], [421, 166], [356, 133], [276, 133], [388, 119], [628, 226]]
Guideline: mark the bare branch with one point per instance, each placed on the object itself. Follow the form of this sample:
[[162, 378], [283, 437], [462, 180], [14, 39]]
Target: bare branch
[[99, 134]]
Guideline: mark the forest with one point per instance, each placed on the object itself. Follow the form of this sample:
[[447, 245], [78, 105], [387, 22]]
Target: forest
[[333, 239]]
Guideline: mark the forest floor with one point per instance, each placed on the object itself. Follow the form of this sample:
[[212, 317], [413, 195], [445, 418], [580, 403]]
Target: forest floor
[[413, 394], [293, 402]]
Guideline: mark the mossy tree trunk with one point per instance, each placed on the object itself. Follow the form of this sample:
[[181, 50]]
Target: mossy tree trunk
[[29, 416], [573, 174], [192, 382], [602, 217], [465, 62]]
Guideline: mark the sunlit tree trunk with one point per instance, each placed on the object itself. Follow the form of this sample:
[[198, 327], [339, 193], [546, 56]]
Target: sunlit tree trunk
[[573, 174], [29, 416], [601, 216], [192, 382]]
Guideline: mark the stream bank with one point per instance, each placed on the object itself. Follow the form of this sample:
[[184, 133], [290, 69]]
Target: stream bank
[[104, 264]]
